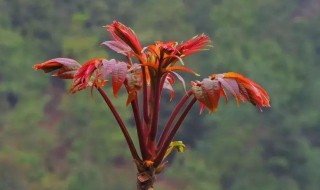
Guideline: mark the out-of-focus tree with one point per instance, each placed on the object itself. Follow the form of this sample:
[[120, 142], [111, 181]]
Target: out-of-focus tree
[[275, 42]]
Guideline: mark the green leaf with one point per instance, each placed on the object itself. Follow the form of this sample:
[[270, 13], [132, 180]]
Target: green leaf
[[178, 145]]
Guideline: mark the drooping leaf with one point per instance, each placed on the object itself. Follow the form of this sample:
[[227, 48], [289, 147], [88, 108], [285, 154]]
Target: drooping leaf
[[202, 96], [169, 81], [208, 91], [180, 79], [249, 91], [212, 88], [107, 67], [119, 74], [232, 86], [118, 47], [66, 68]]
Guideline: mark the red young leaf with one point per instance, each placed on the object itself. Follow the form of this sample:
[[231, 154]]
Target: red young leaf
[[118, 76], [82, 78], [107, 67], [66, 68], [134, 83], [168, 85], [201, 94], [194, 45], [118, 47], [212, 87], [180, 68], [232, 86], [124, 35], [131, 96], [242, 89], [249, 91]]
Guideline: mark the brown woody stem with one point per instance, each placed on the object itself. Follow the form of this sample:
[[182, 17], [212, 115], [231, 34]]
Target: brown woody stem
[[145, 177], [150, 180]]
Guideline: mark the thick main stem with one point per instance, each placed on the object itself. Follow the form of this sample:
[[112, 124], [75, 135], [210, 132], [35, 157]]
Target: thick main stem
[[121, 124], [173, 132], [155, 115], [146, 179], [156, 106], [172, 117]]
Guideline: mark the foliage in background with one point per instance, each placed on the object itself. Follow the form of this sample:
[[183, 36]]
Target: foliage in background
[[275, 42]]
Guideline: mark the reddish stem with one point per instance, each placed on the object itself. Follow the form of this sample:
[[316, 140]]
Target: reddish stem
[[145, 96], [173, 132], [172, 117], [121, 124], [156, 107], [140, 132]]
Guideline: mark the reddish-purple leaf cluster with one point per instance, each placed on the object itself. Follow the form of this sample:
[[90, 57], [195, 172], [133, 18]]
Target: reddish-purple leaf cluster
[[209, 90], [156, 70]]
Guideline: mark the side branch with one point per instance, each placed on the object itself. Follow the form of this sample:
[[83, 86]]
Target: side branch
[[173, 132], [172, 117], [140, 130], [121, 124]]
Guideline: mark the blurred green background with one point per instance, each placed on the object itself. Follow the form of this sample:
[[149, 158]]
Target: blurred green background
[[50, 140]]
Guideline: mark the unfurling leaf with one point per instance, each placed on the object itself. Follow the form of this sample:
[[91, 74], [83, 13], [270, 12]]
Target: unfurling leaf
[[83, 78], [125, 36], [178, 145], [134, 84], [66, 68], [134, 79]]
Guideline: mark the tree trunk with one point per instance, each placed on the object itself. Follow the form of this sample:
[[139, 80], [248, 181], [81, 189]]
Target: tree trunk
[[146, 179]]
